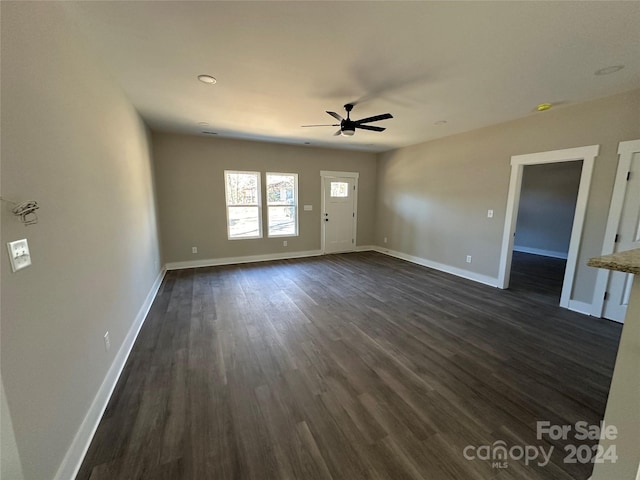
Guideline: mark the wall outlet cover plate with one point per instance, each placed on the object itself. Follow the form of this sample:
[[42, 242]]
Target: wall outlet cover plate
[[19, 254]]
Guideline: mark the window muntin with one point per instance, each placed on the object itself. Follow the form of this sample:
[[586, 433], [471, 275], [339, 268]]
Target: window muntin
[[282, 204], [244, 204]]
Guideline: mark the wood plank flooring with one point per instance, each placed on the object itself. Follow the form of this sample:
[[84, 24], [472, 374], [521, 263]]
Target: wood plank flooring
[[353, 366], [537, 277]]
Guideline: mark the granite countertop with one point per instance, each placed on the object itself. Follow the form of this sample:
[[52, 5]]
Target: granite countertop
[[628, 261]]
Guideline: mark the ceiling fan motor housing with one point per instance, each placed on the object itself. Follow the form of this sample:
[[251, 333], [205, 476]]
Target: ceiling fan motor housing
[[348, 127]]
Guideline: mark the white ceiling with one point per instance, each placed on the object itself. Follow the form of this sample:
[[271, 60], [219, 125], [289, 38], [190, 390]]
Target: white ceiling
[[280, 65]]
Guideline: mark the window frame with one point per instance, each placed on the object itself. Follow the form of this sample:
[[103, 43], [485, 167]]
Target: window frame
[[295, 204], [258, 176]]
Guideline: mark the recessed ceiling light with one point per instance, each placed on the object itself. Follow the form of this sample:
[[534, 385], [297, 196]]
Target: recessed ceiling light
[[609, 70], [203, 124], [207, 79], [210, 133], [440, 122], [543, 106]]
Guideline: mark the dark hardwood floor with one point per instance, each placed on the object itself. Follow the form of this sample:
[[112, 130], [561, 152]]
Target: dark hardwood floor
[[354, 366], [537, 277]]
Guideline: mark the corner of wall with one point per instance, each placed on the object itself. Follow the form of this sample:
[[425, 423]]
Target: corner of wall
[[10, 463], [75, 454]]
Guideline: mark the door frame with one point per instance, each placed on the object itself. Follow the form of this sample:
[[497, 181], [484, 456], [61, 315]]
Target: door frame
[[324, 175], [625, 153], [587, 154]]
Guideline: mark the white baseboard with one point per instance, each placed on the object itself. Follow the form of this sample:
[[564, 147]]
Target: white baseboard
[[540, 251], [580, 307], [214, 262], [75, 454], [574, 305], [459, 272]]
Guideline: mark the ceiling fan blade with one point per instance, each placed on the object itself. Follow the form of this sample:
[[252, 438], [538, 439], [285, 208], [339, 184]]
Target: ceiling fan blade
[[375, 118], [339, 132], [335, 115], [324, 125], [371, 127]]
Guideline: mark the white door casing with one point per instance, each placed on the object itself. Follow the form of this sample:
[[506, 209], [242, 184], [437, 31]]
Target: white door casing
[[339, 211], [587, 154], [623, 222]]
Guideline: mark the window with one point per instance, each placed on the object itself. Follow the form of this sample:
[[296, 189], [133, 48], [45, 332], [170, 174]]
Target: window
[[244, 204], [282, 204], [339, 189]]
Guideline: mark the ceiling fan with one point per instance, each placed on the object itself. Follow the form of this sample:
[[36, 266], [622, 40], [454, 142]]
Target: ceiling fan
[[348, 126]]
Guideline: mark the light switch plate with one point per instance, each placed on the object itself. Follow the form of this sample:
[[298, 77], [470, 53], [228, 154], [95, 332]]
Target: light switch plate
[[19, 254], [308, 208]]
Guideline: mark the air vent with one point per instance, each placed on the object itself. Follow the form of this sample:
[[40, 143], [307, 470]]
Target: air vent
[[209, 133]]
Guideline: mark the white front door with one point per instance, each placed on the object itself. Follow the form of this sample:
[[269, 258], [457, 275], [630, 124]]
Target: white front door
[[339, 214], [619, 289]]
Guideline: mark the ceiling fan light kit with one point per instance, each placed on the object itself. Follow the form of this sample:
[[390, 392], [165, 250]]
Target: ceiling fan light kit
[[348, 126]]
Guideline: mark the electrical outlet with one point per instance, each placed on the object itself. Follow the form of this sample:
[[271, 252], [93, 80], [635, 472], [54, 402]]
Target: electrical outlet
[[107, 342], [468, 258], [284, 243], [385, 239], [19, 254], [490, 214], [194, 249]]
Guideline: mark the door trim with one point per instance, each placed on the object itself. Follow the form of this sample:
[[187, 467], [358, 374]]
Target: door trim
[[625, 152], [324, 174], [587, 154]]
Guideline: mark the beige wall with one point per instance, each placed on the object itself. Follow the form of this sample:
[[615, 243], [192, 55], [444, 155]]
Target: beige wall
[[73, 142], [190, 184], [547, 207], [10, 465], [432, 198]]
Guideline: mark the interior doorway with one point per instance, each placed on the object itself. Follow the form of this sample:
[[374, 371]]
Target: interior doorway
[[548, 199], [518, 162]]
